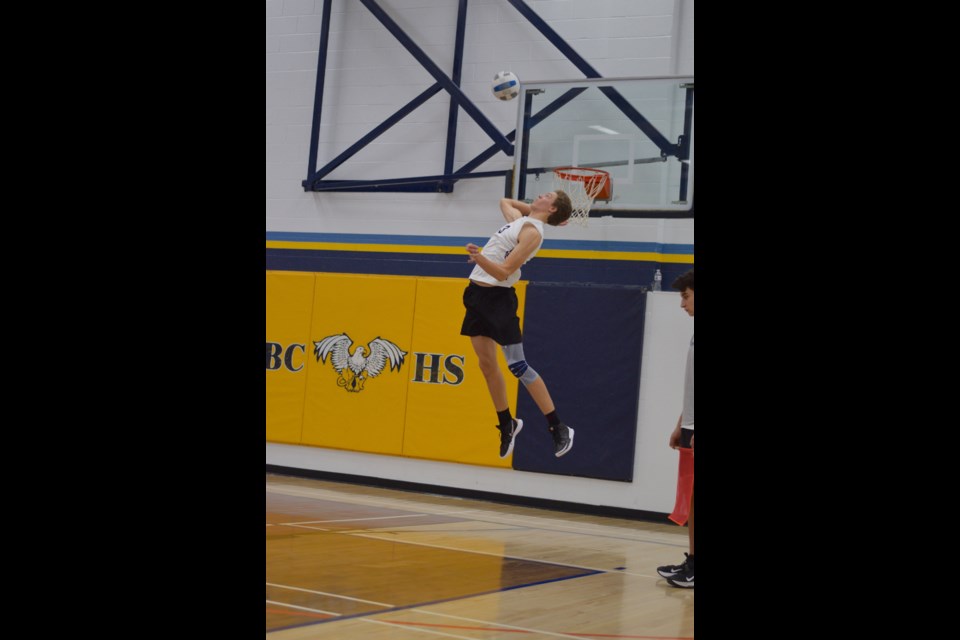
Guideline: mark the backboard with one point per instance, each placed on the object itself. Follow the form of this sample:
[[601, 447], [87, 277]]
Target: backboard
[[640, 130]]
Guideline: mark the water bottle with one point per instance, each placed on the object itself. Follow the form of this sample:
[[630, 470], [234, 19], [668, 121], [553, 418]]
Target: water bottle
[[657, 281]]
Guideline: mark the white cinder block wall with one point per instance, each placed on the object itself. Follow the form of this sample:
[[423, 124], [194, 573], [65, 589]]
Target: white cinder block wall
[[369, 76]]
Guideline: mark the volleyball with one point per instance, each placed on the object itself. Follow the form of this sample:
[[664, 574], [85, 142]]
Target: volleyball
[[506, 86]]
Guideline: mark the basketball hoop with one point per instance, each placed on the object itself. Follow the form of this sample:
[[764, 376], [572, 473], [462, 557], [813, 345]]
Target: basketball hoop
[[583, 185]]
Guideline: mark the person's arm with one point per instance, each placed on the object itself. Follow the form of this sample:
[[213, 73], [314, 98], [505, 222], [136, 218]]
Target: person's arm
[[675, 436], [528, 240], [513, 209]]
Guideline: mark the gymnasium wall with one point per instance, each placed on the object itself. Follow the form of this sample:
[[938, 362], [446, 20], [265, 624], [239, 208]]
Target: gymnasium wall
[[666, 334], [370, 75], [376, 364], [419, 237]]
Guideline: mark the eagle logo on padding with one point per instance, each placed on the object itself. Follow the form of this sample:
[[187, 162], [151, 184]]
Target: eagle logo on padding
[[354, 370]]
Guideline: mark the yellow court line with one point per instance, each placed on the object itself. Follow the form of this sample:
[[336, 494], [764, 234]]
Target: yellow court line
[[543, 253]]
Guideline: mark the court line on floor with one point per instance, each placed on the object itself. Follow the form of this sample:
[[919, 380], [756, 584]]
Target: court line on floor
[[395, 625], [336, 615], [324, 593], [528, 630], [493, 518], [578, 635], [489, 553], [302, 526], [381, 538], [412, 515], [355, 499], [455, 626], [417, 609], [299, 614], [394, 539], [446, 548], [577, 532], [518, 519], [296, 606]]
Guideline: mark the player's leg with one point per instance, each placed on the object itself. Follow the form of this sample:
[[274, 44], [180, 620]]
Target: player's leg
[[486, 350], [683, 577], [538, 391], [561, 433]]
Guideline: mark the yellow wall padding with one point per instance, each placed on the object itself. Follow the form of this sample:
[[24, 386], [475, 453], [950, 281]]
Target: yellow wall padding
[[362, 406], [447, 419], [289, 306], [377, 364]]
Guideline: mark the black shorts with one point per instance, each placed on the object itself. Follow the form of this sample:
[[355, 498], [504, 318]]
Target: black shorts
[[491, 312], [685, 435]]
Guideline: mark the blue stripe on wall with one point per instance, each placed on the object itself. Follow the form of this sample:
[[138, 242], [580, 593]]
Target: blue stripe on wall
[[624, 272], [457, 241]]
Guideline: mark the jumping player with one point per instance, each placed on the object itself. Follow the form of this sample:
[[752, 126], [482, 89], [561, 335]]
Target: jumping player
[[491, 316]]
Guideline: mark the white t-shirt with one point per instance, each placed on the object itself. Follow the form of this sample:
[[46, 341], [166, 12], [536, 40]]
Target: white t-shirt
[[687, 420], [500, 245]]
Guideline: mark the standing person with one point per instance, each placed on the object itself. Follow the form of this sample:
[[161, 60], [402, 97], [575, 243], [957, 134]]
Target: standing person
[[681, 575], [491, 311]]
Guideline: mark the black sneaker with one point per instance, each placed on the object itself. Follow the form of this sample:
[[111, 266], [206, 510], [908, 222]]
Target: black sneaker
[[506, 439], [562, 439], [684, 579], [670, 570]]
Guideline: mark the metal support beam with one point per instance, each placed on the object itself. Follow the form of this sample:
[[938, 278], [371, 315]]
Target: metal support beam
[[454, 107], [666, 147], [318, 90], [373, 134], [420, 184], [455, 93], [542, 115], [445, 182], [642, 123], [485, 155], [684, 154], [525, 147], [555, 39]]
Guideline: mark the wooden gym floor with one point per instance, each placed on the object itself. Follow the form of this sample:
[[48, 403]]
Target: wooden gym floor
[[346, 561]]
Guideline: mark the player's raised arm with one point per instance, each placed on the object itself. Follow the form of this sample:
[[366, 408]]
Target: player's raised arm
[[513, 209]]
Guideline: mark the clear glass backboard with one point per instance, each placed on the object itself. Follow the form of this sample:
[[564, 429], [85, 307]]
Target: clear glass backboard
[[640, 130]]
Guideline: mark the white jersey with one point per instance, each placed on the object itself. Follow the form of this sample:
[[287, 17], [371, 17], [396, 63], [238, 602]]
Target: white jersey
[[687, 420], [500, 245]]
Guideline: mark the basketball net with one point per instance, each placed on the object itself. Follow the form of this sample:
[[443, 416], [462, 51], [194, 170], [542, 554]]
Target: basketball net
[[583, 185]]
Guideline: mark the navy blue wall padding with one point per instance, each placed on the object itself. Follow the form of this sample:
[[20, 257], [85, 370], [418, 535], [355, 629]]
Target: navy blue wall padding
[[561, 270], [586, 342]]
